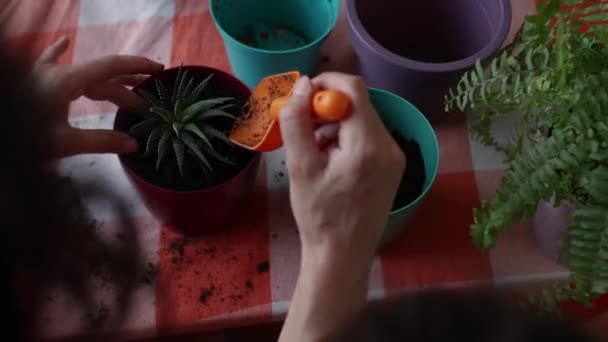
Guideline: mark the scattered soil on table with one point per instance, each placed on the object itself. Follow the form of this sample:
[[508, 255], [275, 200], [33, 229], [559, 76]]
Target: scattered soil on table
[[210, 252], [98, 318], [263, 267], [412, 181], [278, 177], [178, 246], [249, 284], [205, 294], [149, 273]]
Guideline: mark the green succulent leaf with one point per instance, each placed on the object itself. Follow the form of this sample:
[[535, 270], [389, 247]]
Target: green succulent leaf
[[163, 94], [214, 133], [152, 101], [178, 149], [214, 113], [163, 147], [212, 152], [182, 86], [197, 92], [196, 131], [189, 88], [177, 128], [202, 106], [191, 143], [178, 81], [163, 113], [144, 127], [153, 139], [178, 110]]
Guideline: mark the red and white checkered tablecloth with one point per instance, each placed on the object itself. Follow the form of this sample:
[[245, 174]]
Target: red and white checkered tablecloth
[[435, 250]]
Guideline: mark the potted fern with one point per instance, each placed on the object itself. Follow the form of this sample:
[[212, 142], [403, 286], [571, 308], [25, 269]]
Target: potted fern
[[189, 174], [555, 74]]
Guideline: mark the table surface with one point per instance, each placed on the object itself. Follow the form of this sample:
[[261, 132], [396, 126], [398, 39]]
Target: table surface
[[230, 268]]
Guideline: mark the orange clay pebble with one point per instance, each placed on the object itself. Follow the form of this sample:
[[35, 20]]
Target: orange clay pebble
[[328, 105], [331, 105]]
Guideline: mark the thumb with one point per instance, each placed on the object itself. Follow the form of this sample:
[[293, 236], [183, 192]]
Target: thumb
[[296, 122], [73, 141]]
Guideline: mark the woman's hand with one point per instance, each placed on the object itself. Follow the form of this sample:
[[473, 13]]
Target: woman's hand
[[103, 79], [343, 179]]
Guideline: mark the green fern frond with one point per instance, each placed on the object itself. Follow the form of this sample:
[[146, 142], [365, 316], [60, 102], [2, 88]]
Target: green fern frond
[[556, 75], [530, 178]]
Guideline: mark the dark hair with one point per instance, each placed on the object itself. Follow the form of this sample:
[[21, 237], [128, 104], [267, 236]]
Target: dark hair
[[471, 316], [48, 238]]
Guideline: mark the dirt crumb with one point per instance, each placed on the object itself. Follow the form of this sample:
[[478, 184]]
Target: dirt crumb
[[263, 267]]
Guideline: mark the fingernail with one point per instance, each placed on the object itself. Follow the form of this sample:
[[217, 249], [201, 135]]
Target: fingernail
[[301, 85]]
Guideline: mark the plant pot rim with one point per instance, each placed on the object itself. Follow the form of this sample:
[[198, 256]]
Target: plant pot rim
[[359, 29], [430, 129], [133, 174], [272, 52]]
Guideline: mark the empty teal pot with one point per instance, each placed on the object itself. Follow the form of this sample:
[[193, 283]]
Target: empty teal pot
[[400, 115], [270, 37]]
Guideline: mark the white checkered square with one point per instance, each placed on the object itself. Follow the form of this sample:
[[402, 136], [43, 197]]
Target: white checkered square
[[98, 12]]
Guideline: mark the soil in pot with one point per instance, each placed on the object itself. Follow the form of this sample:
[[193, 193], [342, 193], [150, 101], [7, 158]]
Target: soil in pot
[[276, 38], [194, 177], [412, 181]]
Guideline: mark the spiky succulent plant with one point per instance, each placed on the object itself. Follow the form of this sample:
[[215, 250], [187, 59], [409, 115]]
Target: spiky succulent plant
[[178, 123]]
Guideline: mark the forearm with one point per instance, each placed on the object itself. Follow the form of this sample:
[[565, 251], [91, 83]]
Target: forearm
[[330, 290]]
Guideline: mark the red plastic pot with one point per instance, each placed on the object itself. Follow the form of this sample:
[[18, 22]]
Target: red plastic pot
[[201, 211]]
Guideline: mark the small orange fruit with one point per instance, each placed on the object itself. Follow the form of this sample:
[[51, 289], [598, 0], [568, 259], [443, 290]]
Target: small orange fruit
[[331, 105], [276, 105]]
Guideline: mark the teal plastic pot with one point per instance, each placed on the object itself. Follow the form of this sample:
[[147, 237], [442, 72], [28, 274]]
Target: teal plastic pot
[[270, 37], [400, 115]]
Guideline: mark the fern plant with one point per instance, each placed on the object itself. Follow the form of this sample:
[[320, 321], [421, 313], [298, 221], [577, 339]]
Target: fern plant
[[555, 73], [178, 123]]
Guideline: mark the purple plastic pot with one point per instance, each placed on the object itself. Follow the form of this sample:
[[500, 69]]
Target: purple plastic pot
[[550, 225], [418, 49]]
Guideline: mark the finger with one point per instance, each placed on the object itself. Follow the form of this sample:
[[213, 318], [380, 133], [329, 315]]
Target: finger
[[130, 80], [103, 69], [53, 52], [84, 141], [296, 124], [118, 95], [326, 135]]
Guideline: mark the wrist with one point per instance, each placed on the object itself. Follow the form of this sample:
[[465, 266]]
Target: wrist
[[336, 260]]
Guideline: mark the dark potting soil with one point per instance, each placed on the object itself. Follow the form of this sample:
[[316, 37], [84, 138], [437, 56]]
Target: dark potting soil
[[195, 177], [412, 181], [274, 38]]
